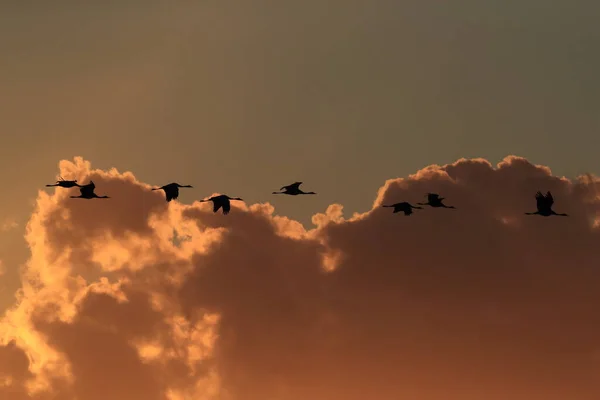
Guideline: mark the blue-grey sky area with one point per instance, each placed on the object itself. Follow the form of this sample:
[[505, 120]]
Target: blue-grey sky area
[[242, 97]]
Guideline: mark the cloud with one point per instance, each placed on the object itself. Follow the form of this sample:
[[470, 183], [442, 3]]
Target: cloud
[[9, 224], [135, 298]]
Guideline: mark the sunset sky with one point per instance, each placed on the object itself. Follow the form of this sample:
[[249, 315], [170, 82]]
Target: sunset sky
[[326, 297]]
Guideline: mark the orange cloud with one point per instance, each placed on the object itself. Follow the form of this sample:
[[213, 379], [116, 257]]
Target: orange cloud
[[135, 298]]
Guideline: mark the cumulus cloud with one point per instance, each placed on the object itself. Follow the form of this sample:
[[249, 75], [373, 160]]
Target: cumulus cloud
[[135, 298]]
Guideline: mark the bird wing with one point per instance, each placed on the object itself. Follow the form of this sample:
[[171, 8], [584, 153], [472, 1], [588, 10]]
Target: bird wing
[[432, 197], [226, 207], [216, 205], [541, 200], [549, 199], [295, 185], [87, 190], [169, 195]]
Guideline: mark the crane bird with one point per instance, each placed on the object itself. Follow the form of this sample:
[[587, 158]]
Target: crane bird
[[544, 205], [65, 184], [87, 192], [434, 200], [221, 201], [293, 189], [172, 190], [404, 207]]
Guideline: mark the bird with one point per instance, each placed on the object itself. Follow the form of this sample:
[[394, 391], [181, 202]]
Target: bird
[[293, 189], [65, 184], [87, 192], [434, 200], [544, 205], [221, 201], [404, 207], [172, 190]]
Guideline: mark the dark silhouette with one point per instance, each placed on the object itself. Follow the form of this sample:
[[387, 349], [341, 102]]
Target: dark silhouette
[[87, 192], [221, 201], [434, 200], [404, 207], [293, 189], [544, 205], [65, 184], [172, 190]]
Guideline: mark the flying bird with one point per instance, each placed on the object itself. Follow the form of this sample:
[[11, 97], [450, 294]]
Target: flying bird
[[87, 192], [404, 207], [172, 190], [65, 184], [434, 200], [544, 205], [293, 189], [221, 201]]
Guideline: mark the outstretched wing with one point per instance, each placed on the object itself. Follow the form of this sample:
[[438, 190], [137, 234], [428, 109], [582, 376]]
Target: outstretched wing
[[432, 197], [226, 207], [216, 205], [172, 193], [87, 190], [169, 195], [541, 201], [293, 186], [549, 199]]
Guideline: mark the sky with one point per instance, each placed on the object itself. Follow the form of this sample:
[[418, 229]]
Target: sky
[[287, 298]]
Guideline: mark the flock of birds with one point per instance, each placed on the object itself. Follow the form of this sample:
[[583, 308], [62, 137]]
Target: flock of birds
[[544, 202]]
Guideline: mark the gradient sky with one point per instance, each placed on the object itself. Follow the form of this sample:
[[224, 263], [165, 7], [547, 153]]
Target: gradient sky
[[242, 97]]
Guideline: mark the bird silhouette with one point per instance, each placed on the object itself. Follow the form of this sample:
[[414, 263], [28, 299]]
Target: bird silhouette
[[404, 207], [221, 201], [172, 190], [293, 189], [65, 184], [434, 200], [87, 192], [544, 205]]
